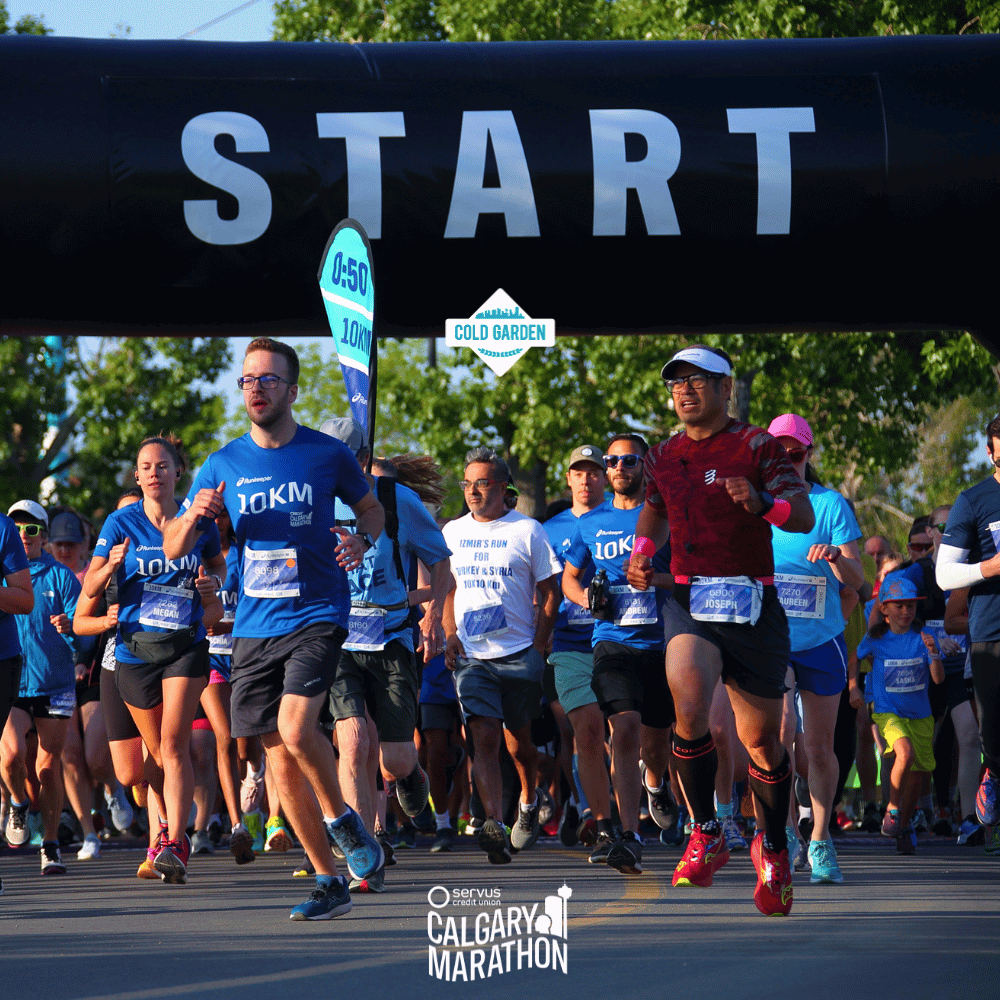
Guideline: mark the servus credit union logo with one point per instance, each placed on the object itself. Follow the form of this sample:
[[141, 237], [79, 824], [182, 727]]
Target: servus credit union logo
[[500, 331], [472, 935]]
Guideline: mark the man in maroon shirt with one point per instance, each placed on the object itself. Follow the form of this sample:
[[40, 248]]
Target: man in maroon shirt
[[720, 484]]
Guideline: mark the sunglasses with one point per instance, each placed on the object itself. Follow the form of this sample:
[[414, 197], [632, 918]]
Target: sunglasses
[[31, 530], [918, 547], [940, 527], [628, 461], [796, 456]]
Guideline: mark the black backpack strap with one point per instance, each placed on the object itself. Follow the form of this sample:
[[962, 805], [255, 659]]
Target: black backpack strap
[[385, 490]]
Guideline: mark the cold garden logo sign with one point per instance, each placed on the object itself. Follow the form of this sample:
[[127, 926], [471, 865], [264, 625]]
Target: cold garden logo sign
[[500, 331], [473, 936]]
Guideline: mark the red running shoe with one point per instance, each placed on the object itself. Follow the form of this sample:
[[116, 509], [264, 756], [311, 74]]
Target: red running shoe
[[172, 860], [773, 895], [704, 855]]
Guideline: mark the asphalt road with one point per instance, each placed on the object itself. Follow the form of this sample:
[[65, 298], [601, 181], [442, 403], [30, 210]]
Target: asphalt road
[[909, 927]]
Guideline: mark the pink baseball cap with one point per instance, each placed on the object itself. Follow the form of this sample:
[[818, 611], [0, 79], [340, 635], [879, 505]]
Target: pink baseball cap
[[793, 426]]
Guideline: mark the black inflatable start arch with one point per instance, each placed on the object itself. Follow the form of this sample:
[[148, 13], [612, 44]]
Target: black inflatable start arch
[[181, 188]]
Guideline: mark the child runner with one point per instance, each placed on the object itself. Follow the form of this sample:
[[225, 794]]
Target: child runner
[[904, 661]]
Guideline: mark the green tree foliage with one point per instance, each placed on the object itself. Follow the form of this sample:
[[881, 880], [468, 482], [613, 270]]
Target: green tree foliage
[[29, 24], [82, 422], [871, 399], [588, 20]]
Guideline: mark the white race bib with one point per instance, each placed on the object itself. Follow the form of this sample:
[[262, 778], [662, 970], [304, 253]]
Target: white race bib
[[222, 645], [905, 676], [366, 630], [801, 596], [633, 607], [270, 573], [733, 599], [165, 607], [484, 622]]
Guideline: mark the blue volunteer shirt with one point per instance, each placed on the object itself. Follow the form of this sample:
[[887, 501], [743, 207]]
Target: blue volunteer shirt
[[14, 560], [974, 525], [810, 592], [900, 675], [282, 503], [604, 538], [377, 581], [574, 626], [155, 594]]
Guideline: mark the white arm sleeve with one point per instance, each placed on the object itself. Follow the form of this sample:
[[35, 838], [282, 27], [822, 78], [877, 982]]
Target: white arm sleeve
[[953, 572]]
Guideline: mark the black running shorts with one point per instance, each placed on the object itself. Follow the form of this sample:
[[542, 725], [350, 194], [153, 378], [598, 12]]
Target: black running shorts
[[141, 684], [626, 678], [303, 663], [756, 656], [387, 682]]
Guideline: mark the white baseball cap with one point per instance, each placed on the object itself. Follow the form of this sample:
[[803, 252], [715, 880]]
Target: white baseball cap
[[34, 510]]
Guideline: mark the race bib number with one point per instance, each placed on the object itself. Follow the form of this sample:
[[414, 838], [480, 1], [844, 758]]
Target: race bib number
[[801, 596], [633, 607], [481, 623], [995, 532], [905, 676], [733, 599], [222, 645], [577, 616], [949, 645], [270, 573], [366, 630], [165, 607], [62, 704]]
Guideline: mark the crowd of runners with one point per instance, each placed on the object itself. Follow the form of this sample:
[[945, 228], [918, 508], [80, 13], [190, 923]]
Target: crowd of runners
[[688, 647]]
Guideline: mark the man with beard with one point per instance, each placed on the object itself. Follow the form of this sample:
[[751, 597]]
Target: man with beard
[[628, 679], [294, 601]]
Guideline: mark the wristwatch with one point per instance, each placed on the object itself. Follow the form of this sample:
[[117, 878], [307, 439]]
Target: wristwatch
[[367, 539]]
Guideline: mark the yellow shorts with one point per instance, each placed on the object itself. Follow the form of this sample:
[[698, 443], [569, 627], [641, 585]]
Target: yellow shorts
[[920, 733]]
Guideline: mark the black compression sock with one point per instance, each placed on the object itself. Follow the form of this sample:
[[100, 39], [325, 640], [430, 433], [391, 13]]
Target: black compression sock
[[773, 790], [697, 762]]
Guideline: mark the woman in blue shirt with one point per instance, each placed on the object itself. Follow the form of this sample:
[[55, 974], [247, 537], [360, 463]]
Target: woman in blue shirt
[[161, 651]]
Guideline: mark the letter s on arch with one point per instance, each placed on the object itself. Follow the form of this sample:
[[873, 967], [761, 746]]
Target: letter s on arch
[[250, 190]]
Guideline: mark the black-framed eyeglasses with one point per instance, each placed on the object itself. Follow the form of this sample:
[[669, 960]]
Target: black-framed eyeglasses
[[268, 381], [480, 484], [628, 461], [696, 381], [31, 530]]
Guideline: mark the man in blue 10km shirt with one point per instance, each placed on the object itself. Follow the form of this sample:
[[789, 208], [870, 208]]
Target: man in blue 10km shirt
[[279, 483], [628, 676]]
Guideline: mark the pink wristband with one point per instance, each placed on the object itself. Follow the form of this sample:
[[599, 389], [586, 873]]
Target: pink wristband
[[779, 513], [643, 546]]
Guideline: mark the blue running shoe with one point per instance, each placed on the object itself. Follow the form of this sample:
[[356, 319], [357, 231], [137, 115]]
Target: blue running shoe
[[330, 898], [362, 851], [988, 800], [823, 861]]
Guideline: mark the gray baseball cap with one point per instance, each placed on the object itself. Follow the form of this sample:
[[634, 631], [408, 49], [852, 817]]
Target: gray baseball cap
[[346, 429], [587, 453]]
